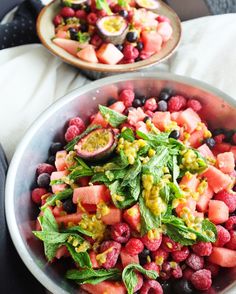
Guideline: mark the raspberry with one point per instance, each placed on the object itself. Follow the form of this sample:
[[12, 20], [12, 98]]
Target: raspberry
[[150, 104], [37, 193], [194, 104], [202, 248], [96, 41], [102, 13], [166, 267], [177, 272], [120, 232], [134, 246], [130, 52], [111, 256], [169, 245], [165, 276], [71, 133], [201, 279], [144, 55], [219, 138], [126, 61], [57, 20], [140, 282], [180, 255], [78, 122], [67, 12], [231, 223], [127, 97], [227, 198], [232, 242], [176, 103], [212, 267], [152, 266], [151, 244], [187, 273], [195, 262], [223, 236], [45, 168], [92, 18], [81, 14], [159, 256], [151, 286]]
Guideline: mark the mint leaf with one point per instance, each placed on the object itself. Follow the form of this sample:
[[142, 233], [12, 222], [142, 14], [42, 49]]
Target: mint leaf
[[78, 228], [103, 5], [154, 140], [50, 250], [81, 258], [207, 227], [79, 172], [51, 200], [51, 237], [48, 222], [132, 174], [113, 117], [129, 276], [83, 37], [128, 135]]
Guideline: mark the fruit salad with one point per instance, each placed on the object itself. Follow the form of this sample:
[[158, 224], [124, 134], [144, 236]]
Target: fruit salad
[[111, 31], [141, 198]]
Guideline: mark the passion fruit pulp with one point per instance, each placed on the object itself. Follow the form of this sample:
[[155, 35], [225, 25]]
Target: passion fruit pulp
[[97, 145]]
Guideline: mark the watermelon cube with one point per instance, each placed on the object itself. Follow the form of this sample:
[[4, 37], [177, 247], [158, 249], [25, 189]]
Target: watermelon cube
[[135, 115], [205, 151], [190, 182], [88, 54], [175, 115], [161, 120], [142, 127], [189, 119], [223, 256], [225, 162], [233, 150], [56, 176], [105, 287], [99, 120], [70, 46], [60, 161], [118, 106], [91, 194], [133, 217], [190, 203], [93, 259], [216, 179], [113, 217], [74, 218], [165, 30], [203, 200], [152, 41], [62, 252], [109, 54], [127, 258], [218, 212]]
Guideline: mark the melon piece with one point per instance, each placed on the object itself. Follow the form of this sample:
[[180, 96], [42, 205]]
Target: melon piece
[[99, 120], [70, 46], [91, 208], [175, 115], [205, 151], [109, 54], [161, 120], [144, 18], [221, 147], [56, 176], [195, 139], [216, 179], [135, 115], [105, 287], [61, 34], [190, 203], [218, 212], [118, 106], [142, 127], [60, 161], [88, 54], [190, 182], [203, 200], [152, 41], [91, 194], [233, 150], [189, 119], [165, 30], [93, 259], [127, 258], [74, 218], [133, 217], [113, 217], [223, 256], [62, 252], [225, 162], [198, 214]]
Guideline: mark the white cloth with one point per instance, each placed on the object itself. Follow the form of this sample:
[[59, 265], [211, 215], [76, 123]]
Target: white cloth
[[32, 78]]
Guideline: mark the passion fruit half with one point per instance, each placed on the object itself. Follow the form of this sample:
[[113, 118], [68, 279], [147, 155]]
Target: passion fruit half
[[97, 145], [148, 4]]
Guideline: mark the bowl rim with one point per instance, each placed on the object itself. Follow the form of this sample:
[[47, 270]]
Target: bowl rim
[[152, 60], [9, 189]]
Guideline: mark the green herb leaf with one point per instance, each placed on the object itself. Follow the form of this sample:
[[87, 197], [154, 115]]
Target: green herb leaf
[[209, 232], [76, 229], [132, 174], [51, 237], [154, 140], [103, 5], [113, 117], [50, 250], [128, 135], [79, 172], [83, 37], [51, 200], [81, 258], [129, 276], [48, 222]]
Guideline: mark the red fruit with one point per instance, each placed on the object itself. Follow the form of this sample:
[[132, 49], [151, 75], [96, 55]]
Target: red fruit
[[152, 244], [195, 262], [37, 193], [187, 273], [202, 248], [71, 133], [92, 18], [150, 104], [223, 236], [45, 168], [231, 223], [152, 266], [102, 13], [149, 113], [145, 55], [126, 258], [194, 104], [218, 212], [120, 232], [219, 138], [130, 52], [81, 14], [112, 250], [162, 18], [134, 246], [177, 272], [180, 255], [232, 242], [227, 198], [159, 256], [96, 41], [169, 245], [213, 268], [127, 97], [234, 138], [176, 103], [58, 19], [133, 217], [140, 282], [67, 12], [223, 256], [201, 279], [104, 287], [151, 286], [57, 210], [113, 217], [78, 122]]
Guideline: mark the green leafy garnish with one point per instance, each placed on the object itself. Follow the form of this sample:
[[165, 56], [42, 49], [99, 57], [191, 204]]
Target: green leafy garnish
[[103, 5], [83, 37], [78, 229], [81, 258], [113, 117], [51, 200], [128, 135]]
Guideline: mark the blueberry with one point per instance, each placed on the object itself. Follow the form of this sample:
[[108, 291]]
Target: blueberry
[[119, 47], [69, 206], [87, 8], [146, 118], [111, 101], [143, 256], [182, 286], [174, 134], [51, 160], [168, 90], [142, 98], [210, 142], [131, 36], [54, 148], [73, 34], [167, 287], [43, 180], [164, 96], [137, 103], [139, 46], [218, 131], [84, 27], [127, 110], [162, 105], [123, 13]]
